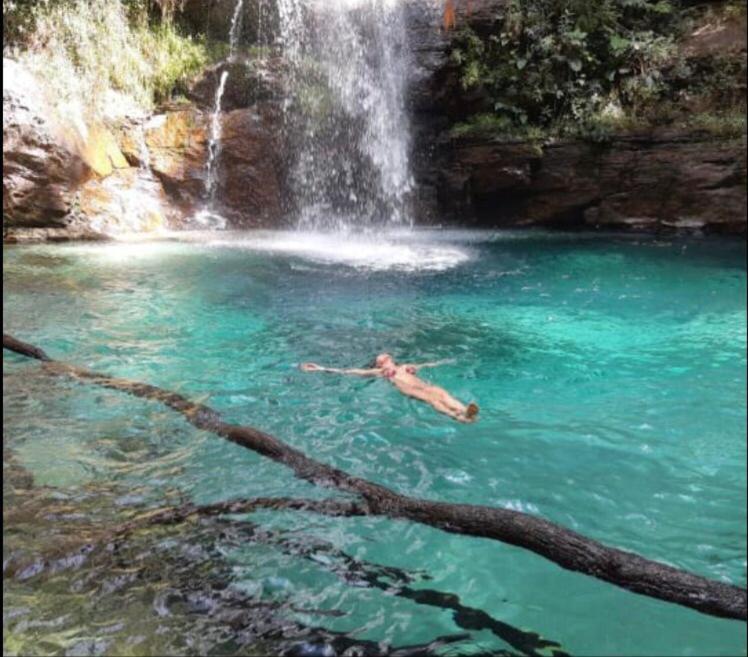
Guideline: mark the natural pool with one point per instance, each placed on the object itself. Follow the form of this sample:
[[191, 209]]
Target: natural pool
[[611, 374]]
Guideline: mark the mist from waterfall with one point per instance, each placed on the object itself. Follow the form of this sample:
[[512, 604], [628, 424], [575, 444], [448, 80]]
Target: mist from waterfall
[[345, 105]]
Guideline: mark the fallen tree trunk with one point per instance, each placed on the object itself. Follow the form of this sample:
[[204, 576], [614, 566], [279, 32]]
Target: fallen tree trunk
[[566, 548]]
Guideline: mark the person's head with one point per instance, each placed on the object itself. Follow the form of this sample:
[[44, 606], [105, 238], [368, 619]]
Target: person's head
[[384, 360]]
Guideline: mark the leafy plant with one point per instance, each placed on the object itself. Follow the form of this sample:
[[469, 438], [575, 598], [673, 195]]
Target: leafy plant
[[561, 61], [95, 56]]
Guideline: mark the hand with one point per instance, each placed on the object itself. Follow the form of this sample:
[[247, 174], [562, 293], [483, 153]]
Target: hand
[[310, 367]]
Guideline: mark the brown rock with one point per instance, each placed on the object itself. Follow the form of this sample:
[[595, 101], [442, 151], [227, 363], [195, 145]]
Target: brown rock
[[128, 201], [62, 180], [74, 232], [100, 151], [40, 170], [657, 182], [251, 167], [249, 81], [213, 18], [716, 33], [690, 181], [177, 142]]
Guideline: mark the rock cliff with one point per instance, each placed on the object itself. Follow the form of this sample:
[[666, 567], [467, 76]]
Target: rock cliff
[[651, 180], [69, 178], [66, 179]]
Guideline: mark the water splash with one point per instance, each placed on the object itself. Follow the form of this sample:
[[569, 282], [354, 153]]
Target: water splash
[[346, 107], [408, 251]]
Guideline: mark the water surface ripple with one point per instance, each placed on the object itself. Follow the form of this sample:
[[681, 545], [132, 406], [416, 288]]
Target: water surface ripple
[[611, 373]]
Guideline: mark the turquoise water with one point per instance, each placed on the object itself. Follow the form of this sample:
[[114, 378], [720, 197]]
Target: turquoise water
[[611, 375]]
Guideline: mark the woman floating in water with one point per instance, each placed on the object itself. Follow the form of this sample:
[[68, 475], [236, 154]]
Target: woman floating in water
[[404, 378]]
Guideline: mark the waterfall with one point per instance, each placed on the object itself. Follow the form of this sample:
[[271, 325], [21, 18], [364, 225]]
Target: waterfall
[[235, 30], [214, 144], [207, 216], [144, 155], [345, 107]]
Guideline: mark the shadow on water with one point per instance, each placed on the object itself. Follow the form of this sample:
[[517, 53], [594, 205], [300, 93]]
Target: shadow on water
[[170, 590]]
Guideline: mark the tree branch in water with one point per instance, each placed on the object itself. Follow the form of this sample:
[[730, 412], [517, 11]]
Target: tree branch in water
[[564, 547]]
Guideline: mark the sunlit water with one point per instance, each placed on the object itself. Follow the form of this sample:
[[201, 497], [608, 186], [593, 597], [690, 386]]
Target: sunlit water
[[611, 377]]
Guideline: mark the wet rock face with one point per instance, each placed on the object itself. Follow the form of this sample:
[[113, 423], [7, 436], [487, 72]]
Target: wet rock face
[[213, 18], [249, 166], [40, 170], [177, 143], [252, 167], [249, 81], [651, 182], [662, 181], [436, 98], [65, 181]]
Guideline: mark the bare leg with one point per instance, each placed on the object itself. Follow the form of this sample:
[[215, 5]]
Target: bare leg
[[447, 410], [441, 401], [455, 404], [467, 413]]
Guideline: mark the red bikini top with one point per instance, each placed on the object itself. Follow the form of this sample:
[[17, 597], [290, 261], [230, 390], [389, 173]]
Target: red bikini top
[[390, 372]]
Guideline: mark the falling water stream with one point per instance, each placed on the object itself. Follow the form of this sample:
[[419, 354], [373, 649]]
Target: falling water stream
[[344, 112], [208, 217], [144, 155], [347, 96], [214, 145]]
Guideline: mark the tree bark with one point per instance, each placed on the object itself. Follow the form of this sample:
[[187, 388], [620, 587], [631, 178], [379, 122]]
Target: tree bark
[[564, 547]]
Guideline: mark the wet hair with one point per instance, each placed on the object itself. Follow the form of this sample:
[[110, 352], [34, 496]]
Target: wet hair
[[372, 364]]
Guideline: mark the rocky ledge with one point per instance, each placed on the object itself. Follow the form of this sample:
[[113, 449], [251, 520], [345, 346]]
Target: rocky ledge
[[660, 180], [653, 182], [67, 179]]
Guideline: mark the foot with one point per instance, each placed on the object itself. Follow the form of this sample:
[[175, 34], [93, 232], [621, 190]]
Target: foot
[[471, 412]]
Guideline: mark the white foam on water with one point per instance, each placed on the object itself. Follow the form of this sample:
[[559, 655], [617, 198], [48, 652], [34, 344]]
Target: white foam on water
[[373, 252], [406, 250]]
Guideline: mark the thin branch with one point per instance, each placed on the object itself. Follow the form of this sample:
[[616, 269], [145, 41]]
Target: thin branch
[[175, 515]]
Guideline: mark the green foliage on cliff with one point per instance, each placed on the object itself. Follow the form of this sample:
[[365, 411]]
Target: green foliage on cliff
[[100, 53], [590, 66]]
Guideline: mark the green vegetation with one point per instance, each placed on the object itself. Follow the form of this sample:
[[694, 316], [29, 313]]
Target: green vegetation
[[719, 124], [105, 54], [592, 68]]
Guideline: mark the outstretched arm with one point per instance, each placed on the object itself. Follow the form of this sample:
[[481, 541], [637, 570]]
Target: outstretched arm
[[313, 367]]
